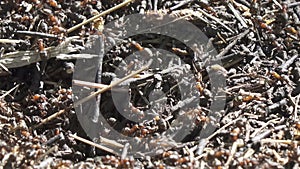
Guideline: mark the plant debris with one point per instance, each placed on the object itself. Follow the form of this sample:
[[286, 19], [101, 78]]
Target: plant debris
[[258, 44]]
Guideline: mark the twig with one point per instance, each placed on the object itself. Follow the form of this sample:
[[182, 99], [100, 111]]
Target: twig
[[216, 19], [75, 56], [110, 142], [99, 15], [236, 144], [204, 142], [228, 47], [50, 150], [180, 4], [249, 153], [95, 85], [46, 120], [296, 107], [266, 133], [125, 151], [88, 84], [245, 2], [291, 5], [189, 12], [279, 158], [289, 62], [269, 140], [111, 85], [40, 34], [237, 15], [94, 144], [155, 4], [7, 93], [11, 41], [222, 128], [143, 7], [5, 68], [278, 4], [248, 130]]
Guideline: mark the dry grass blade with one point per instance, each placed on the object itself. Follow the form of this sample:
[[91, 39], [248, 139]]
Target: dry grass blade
[[95, 85], [38, 34], [53, 116], [11, 41], [99, 15], [94, 144], [88, 84], [23, 58], [7, 93], [110, 142], [4, 68], [112, 85]]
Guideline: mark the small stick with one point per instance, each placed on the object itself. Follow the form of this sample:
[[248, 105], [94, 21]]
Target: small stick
[[248, 130], [94, 144], [143, 7], [112, 85], [50, 150], [53, 116], [237, 15], [110, 142], [228, 47], [40, 34], [269, 140], [99, 15], [125, 151], [291, 5], [278, 4], [11, 41], [216, 19], [296, 107], [279, 158], [88, 84], [266, 133], [7, 93], [204, 142], [180, 4], [155, 4], [289, 62], [249, 153], [245, 2], [5, 68], [95, 85], [236, 144], [222, 128]]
